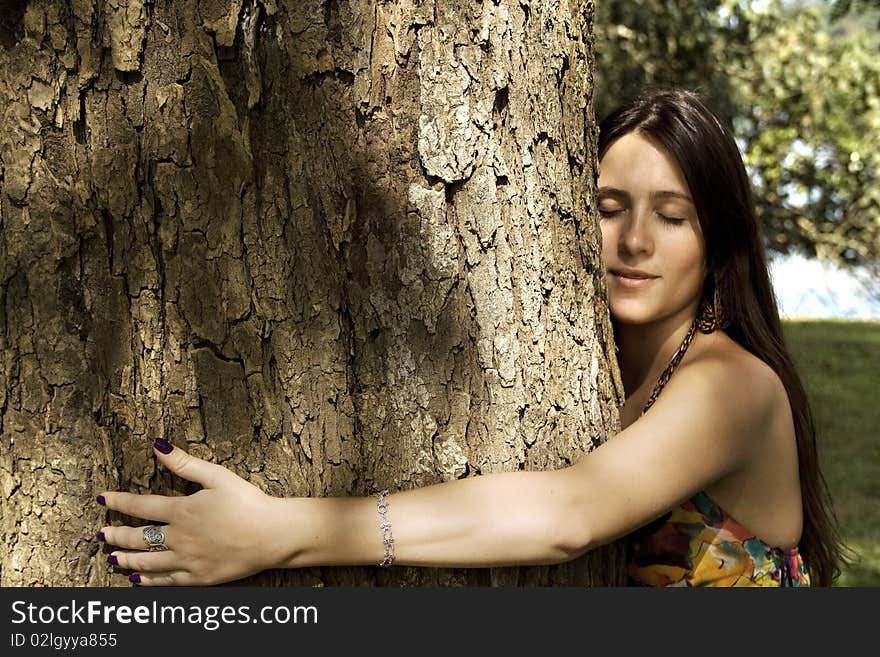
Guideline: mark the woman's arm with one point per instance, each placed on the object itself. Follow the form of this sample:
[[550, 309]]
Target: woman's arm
[[701, 429], [489, 520]]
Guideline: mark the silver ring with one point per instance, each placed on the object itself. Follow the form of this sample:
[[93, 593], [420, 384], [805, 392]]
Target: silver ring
[[154, 538]]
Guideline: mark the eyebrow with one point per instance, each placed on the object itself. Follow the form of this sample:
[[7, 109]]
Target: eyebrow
[[667, 193]]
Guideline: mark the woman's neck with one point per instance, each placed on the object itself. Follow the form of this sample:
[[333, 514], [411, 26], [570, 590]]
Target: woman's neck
[[645, 349]]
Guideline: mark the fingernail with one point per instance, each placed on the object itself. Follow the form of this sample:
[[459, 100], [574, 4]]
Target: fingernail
[[113, 560], [101, 500], [134, 578], [163, 445], [101, 537]]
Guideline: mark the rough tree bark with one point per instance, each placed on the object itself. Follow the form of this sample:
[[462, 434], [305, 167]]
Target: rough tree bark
[[334, 245]]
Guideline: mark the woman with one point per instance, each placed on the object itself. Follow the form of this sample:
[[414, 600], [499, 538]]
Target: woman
[[730, 436]]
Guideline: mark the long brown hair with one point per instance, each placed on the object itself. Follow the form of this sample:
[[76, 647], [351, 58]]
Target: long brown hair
[[706, 152]]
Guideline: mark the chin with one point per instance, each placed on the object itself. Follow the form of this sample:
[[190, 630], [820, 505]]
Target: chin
[[632, 321], [640, 314], [631, 314]]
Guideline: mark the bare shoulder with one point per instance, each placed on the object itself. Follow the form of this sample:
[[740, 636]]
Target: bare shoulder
[[722, 399], [745, 388]]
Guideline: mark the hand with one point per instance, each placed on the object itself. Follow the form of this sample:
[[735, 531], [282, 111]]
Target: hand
[[221, 533]]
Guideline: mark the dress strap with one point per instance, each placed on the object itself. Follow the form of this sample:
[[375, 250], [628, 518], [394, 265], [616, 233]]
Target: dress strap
[[670, 368]]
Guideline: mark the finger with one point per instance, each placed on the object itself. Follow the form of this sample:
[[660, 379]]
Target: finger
[[174, 578], [186, 465], [156, 562], [132, 538], [153, 507]]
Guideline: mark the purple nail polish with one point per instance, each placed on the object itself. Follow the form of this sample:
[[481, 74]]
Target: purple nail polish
[[112, 560], [134, 578], [101, 537], [163, 445], [101, 500]]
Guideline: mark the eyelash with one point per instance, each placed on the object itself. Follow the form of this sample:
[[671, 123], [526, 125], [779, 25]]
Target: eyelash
[[672, 221]]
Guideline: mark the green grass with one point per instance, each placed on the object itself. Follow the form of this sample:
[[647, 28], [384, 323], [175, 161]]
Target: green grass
[[839, 362]]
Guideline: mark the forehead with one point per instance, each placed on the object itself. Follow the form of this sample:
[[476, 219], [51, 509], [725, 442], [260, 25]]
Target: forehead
[[634, 163]]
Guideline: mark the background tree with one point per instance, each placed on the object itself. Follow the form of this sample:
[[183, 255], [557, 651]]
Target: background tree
[[801, 87], [665, 43], [841, 9], [335, 246]]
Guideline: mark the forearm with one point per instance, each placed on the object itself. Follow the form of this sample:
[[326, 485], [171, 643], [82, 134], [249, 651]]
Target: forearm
[[488, 520]]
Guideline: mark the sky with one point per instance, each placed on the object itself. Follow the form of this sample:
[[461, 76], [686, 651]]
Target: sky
[[808, 289]]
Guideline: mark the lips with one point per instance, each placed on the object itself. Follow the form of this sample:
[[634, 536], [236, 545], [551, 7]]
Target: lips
[[632, 278]]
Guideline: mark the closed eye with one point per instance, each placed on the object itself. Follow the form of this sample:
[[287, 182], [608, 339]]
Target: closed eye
[[607, 214], [674, 221]]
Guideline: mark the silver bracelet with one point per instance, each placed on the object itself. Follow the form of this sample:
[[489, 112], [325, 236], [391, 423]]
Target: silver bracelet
[[385, 526]]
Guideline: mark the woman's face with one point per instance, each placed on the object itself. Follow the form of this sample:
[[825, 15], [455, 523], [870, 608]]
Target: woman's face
[[651, 238]]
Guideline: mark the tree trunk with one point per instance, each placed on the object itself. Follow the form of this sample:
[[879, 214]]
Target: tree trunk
[[335, 246]]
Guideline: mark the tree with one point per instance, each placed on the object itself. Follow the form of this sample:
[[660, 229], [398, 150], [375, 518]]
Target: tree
[[666, 43], [843, 8], [810, 127], [334, 246]]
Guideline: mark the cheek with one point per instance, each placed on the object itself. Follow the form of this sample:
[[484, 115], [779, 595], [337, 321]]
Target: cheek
[[690, 262], [691, 257]]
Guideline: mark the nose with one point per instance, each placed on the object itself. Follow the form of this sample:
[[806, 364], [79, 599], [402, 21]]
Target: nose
[[635, 237]]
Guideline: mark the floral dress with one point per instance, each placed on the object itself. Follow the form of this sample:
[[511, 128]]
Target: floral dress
[[698, 544]]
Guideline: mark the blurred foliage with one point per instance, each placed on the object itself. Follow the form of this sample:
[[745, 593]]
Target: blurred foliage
[[802, 95], [840, 8]]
